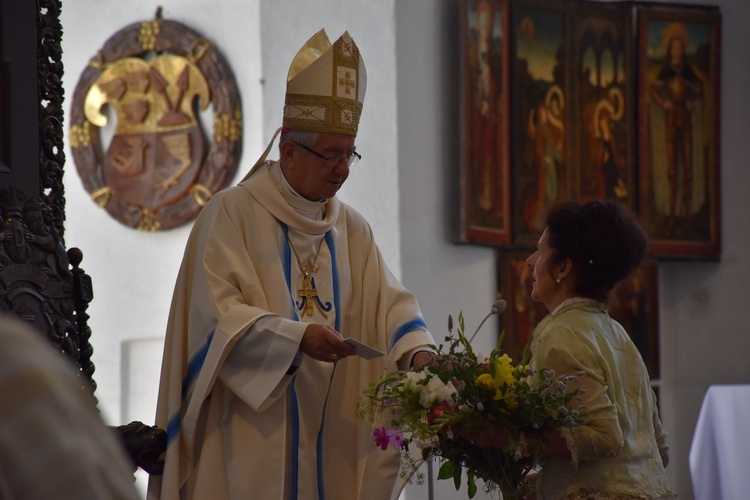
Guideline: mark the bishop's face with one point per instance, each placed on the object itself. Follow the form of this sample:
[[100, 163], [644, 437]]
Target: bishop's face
[[307, 172]]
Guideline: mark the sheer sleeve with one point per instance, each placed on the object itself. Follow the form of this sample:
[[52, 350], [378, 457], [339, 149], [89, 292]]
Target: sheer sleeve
[[659, 433], [600, 434]]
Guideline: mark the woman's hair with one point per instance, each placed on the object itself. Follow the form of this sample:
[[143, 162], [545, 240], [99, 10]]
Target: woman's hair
[[603, 239]]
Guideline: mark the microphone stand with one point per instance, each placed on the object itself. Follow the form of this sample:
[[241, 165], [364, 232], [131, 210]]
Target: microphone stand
[[430, 479], [498, 307]]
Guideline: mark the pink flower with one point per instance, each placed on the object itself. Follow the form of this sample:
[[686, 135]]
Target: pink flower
[[381, 438], [384, 437]]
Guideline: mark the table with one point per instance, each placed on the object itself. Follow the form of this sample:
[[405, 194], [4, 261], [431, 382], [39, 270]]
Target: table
[[720, 452]]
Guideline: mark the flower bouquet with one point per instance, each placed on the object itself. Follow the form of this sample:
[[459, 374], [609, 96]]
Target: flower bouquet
[[460, 396]]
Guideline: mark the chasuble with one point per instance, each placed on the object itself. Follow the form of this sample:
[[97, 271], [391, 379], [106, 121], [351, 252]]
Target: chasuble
[[247, 415]]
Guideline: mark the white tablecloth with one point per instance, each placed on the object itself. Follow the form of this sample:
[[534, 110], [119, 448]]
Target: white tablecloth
[[720, 452]]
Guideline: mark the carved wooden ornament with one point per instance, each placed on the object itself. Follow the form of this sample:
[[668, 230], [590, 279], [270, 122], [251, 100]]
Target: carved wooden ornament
[[157, 171]]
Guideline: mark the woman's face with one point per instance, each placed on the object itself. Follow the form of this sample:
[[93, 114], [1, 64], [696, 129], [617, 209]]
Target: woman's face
[[544, 287]]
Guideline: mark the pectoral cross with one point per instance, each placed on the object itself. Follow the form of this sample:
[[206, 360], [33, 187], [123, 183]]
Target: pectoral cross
[[307, 293]]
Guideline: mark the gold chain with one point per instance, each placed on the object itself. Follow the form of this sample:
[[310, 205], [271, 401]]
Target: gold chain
[[308, 293], [310, 266]]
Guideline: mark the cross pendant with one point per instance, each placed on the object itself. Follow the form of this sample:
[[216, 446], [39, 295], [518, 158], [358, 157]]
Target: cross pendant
[[307, 293]]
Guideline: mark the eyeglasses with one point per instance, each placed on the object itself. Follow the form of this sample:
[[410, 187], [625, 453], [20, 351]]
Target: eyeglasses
[[334, 160]]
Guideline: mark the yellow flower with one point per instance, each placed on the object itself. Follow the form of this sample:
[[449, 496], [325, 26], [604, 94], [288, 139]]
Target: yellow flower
[[503, 370], [510, 400], [485, 381]]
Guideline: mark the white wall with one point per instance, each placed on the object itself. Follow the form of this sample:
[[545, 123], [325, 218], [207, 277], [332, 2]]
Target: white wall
[[406, 186], [134, 272]]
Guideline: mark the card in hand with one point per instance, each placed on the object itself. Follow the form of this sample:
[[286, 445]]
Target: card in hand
[[364, 351]]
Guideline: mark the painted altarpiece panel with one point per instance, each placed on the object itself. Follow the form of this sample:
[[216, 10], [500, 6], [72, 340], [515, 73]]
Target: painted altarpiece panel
[[678, 54], [485, 177], [540, 115], [603, 143]]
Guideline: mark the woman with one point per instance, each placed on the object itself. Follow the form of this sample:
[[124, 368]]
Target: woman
[[619, 451]]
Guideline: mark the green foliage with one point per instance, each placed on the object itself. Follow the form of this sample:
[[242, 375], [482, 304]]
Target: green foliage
[[449, 409]]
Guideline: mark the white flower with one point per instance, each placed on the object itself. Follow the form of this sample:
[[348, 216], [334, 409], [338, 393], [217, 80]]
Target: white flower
[[429, 442], [412, 381], [481, 357], [435, 392]]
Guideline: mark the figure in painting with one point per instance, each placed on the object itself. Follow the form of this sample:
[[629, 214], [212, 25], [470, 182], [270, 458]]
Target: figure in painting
[[611, 183], [545, 133], [485, 101], [676, 130]]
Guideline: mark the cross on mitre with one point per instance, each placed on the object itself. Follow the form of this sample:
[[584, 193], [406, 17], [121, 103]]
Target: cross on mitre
[[347, 82], [349, 48]]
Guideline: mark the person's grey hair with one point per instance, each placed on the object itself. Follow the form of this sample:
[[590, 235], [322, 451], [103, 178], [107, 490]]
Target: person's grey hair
[[308, 139]]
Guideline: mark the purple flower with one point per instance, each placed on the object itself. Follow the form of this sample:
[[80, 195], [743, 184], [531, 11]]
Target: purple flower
[[398, 442], [384, 437], [381, 438]]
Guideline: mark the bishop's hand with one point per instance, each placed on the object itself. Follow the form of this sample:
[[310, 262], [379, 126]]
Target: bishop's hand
[[422, 360], [323, 343]]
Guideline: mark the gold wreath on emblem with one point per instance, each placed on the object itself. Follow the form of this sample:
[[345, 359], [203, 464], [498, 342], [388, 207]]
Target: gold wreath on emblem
[[157, 171]]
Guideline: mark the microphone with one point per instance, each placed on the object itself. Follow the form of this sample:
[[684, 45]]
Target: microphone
[[497, 308]]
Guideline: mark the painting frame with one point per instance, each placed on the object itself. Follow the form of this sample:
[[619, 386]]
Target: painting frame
[[485, 213], [679, 139]]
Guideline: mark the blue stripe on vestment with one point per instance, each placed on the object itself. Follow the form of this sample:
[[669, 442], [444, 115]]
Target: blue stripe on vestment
[[409, 327], [334, 278], [288, 270], [337, 326], [294, 465], [294, 448], [194, 368]]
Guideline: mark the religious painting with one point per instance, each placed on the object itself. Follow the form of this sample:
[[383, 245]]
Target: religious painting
[[635, 305], [522, 313], [678, 52], [485, 156], [603, 106], [540, 129]]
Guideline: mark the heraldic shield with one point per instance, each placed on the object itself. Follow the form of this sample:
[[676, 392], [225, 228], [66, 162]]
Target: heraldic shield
[[156, 152], [156, 165]]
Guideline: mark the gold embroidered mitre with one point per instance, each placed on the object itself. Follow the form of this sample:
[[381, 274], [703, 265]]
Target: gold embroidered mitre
[[325, 86]]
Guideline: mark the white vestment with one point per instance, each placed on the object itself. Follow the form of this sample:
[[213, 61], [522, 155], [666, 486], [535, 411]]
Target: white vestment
[[261, 432]]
